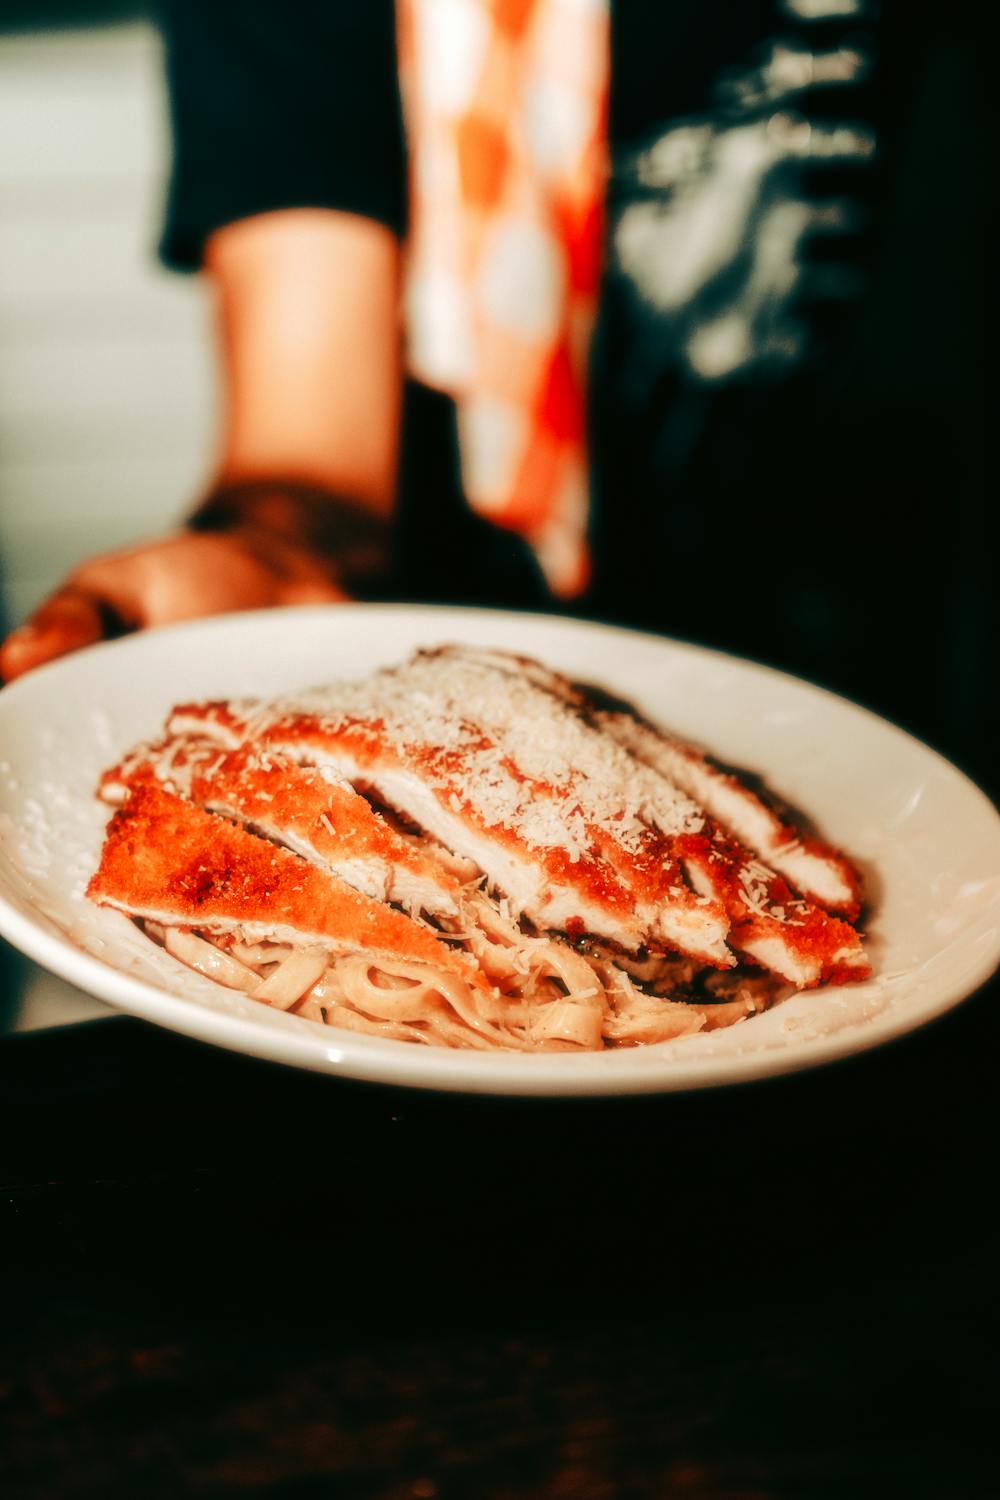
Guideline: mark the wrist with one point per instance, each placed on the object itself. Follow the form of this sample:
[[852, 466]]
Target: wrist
[[295, 526]]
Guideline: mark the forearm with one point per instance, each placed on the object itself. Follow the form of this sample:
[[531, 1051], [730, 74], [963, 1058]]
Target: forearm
[[310, 362], [311, 380], [301, 511]]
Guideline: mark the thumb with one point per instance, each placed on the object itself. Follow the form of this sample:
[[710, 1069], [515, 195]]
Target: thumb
[[67, 620]]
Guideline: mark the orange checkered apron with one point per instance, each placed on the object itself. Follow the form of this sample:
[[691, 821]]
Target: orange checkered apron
[[505, 103]]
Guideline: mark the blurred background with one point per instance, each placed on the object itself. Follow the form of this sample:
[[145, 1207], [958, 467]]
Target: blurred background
[[106, 375], [107, 400]]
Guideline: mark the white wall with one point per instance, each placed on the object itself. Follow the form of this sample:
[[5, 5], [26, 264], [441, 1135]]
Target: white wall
[[106, 379]]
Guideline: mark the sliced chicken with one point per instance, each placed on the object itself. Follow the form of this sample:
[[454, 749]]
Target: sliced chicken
[[500, 760], [313, 812], [166, 861], [817, 871], [798, 939], [565, 824], [814, 869], [771, 926]]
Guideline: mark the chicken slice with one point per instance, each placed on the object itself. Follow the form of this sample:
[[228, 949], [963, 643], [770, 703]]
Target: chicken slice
[[170, 862], [313, 812], [771, 926], [799, 940], [817, 871], [813, 868]]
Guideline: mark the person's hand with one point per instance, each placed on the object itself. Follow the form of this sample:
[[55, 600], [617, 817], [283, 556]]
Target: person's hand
[[247, 546], [179, 577]]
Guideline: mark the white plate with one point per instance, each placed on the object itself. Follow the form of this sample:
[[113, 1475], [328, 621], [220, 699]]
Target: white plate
[[928, 839]]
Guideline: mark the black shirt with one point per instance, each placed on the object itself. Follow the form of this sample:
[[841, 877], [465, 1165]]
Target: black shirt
[[792, 511]]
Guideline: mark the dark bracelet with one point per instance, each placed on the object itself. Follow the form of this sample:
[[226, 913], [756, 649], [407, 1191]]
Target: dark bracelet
[[347, 539]]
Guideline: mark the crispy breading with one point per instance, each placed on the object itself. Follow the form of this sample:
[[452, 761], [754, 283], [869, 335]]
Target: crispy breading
[[165, 858], [316, 815]]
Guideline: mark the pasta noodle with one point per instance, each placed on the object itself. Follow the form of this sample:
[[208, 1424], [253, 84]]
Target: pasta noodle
[[544, 996]]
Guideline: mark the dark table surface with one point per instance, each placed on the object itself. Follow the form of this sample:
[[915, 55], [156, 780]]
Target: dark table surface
[[224, 1278]]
